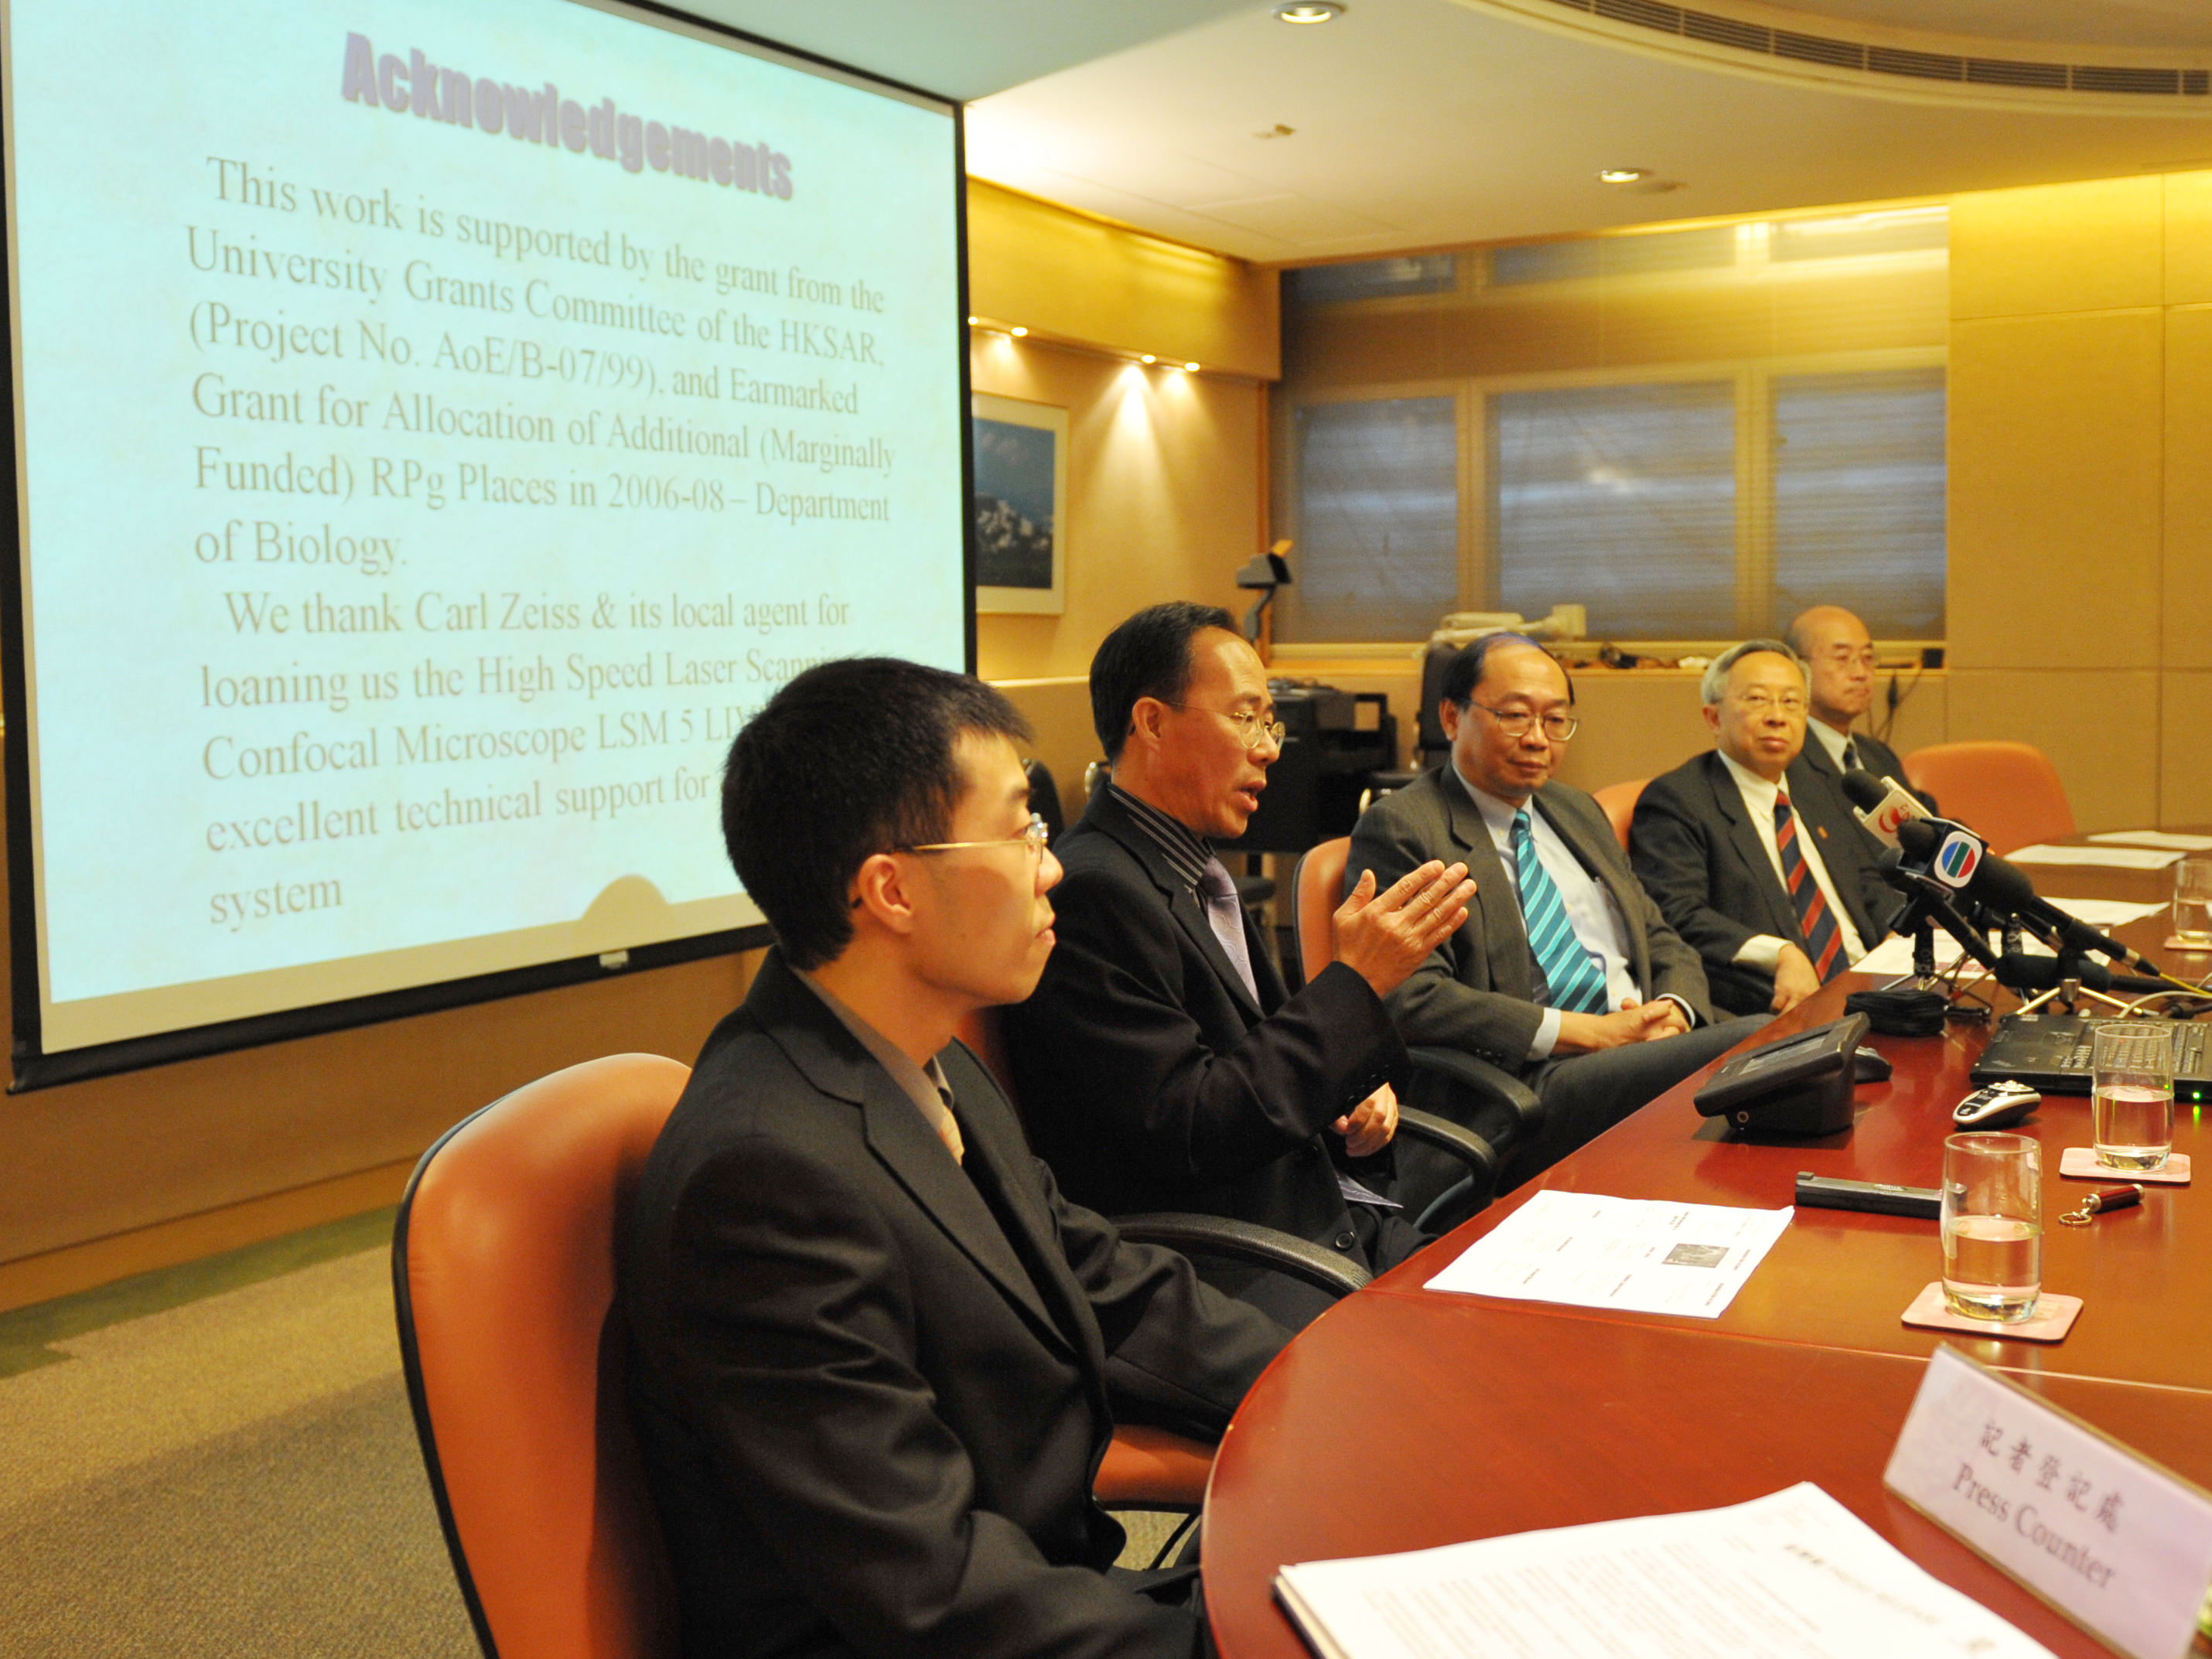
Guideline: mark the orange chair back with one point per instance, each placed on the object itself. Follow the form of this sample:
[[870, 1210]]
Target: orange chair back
[[2006, 792], [503, 1270], [1619, 800], [1319, 886]]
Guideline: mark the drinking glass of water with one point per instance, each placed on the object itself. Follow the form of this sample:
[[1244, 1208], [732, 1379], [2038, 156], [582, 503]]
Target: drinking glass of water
[[2131, 1102], [1992, 1225], [2192, 903]]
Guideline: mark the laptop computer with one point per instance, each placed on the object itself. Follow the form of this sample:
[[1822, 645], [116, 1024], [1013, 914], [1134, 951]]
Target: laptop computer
[[2049, 1053]]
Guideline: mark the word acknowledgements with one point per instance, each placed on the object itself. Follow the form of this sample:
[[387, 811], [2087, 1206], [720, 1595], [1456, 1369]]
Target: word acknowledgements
[[414, 84]]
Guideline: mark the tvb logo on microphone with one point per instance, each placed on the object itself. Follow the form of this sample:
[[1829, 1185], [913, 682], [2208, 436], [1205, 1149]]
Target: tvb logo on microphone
[[1957, 860]]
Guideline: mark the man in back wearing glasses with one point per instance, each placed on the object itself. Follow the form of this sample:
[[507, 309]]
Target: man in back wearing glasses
[[1565, 974], [1163, 1064]]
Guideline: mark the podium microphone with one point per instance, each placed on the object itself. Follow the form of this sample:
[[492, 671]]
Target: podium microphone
[[1882, 806]]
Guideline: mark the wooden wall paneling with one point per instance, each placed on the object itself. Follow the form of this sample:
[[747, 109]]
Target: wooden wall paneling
[[2099, 726], [2185, 746], [2188, 238], [2053, 248], [2185, 596]]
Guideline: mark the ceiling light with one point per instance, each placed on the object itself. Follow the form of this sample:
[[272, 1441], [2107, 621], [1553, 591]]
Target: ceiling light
[[1622, 175], [1310, 11], [971, 322], [1018, 331], [1191, 368], [1149, 358]]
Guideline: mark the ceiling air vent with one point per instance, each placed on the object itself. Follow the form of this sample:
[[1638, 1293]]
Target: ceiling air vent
[[1690, 25]]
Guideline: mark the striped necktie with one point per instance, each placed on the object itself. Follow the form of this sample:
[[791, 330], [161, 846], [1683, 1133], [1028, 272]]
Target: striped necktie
[[1573, 982], [1823, 943]]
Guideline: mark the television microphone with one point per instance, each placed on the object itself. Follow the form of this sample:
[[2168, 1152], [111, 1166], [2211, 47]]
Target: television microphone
[[1881, 805]]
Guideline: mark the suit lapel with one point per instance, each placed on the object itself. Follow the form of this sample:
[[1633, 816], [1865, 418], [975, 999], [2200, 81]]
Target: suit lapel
[[898, 1133], [1743, 835], [1504, 933], [1108, 816]]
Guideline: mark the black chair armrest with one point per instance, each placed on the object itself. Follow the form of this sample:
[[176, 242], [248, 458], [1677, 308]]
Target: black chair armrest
[[1489, 1084], [1248, 1242], [1464, 1146]]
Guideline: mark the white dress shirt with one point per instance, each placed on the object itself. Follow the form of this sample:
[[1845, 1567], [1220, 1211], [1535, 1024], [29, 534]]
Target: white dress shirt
[[1591, 912], [1764, 951], [1832, 740]]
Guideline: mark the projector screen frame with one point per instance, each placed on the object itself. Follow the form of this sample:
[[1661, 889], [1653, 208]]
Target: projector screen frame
[[31, 1067]]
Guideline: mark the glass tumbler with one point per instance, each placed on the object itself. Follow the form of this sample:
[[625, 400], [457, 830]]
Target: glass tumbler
[[1992, 1225], [2131, 1093], [2192, 902]]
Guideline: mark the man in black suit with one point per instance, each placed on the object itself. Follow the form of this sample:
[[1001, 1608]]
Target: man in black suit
[[1161, 1064], [874, 1357], [1751, 860], [1565, 972], [1839, 652]]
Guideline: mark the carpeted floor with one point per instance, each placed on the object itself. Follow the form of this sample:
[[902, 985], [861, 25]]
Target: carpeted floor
[[217, 1462]]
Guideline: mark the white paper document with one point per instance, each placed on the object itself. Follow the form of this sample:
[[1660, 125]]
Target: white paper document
[[1791, 1576], [2173, 838], [2107, 913], [1642, 1256], [2111, 857]]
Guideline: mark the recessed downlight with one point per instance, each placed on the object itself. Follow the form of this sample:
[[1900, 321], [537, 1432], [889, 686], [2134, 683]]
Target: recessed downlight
[[1310, 11], [972, 321], [1622, 175], [1191, 368], [1017, 330], [1148, 358]]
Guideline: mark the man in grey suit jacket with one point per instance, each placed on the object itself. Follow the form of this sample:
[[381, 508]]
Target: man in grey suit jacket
[[1564, 971], [1748, 856], [874, 1358], [1839, 652]]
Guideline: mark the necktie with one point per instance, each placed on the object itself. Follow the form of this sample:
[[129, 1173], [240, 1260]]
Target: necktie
[[1572, 978], [1227, 917], [1822, 941], [1850, 755]]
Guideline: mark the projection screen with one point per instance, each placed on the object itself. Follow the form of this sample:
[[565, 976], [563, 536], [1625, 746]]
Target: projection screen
[[436, 429]]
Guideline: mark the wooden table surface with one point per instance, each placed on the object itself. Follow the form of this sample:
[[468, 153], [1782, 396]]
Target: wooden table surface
[[1405, 1418]]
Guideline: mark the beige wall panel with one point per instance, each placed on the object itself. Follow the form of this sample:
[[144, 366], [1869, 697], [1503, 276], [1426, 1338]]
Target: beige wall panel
[[1165, 495], [1911, 306], [93, 1159], [1923, 713], [1634, 726], [2187, 601], [1058, 712], [2185, 750], [2186, 746], [2054, 490], [2096, 247], [1060, 272], [2188, 238], [2101, 732]]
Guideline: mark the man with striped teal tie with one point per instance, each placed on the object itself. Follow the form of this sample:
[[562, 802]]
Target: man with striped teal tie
[[1565, 972]]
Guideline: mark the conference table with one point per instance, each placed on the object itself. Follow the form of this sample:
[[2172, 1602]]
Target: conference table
[[1405, 1418]]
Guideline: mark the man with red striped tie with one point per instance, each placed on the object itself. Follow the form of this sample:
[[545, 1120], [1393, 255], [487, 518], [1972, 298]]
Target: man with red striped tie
[[1753, 861]]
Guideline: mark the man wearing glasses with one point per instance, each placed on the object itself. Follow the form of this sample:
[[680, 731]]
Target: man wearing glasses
[[1839, 652], [1163, 1065], [1566, 973], [1751, 859], [873, 1356]]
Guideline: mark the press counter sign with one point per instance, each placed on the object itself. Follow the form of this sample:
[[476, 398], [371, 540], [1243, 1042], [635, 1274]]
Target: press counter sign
[[2117, 1544]]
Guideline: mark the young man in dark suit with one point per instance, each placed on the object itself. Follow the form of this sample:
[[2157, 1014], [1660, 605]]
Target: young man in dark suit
[[1163, 1065], [874, 1356], [1838, 653], [1753, 863], [1565, 973]]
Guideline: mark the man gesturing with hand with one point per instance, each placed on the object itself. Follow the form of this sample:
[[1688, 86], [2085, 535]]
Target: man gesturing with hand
[[1162, 1063], [1568, 976]]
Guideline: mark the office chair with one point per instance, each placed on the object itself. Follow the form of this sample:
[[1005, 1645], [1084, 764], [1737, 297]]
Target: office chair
[[2006, 792], [1618, 801], [1472, 1111], [503, 1276], [1044, 799], [502, 1266]]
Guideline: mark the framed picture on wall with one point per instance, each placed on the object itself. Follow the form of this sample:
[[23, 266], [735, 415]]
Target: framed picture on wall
[[1020, 506]]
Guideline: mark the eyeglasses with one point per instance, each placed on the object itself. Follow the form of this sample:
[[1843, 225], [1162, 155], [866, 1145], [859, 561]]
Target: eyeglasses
[[1249, 726], [1517, 723], [1033, 837], [1761, 702]]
